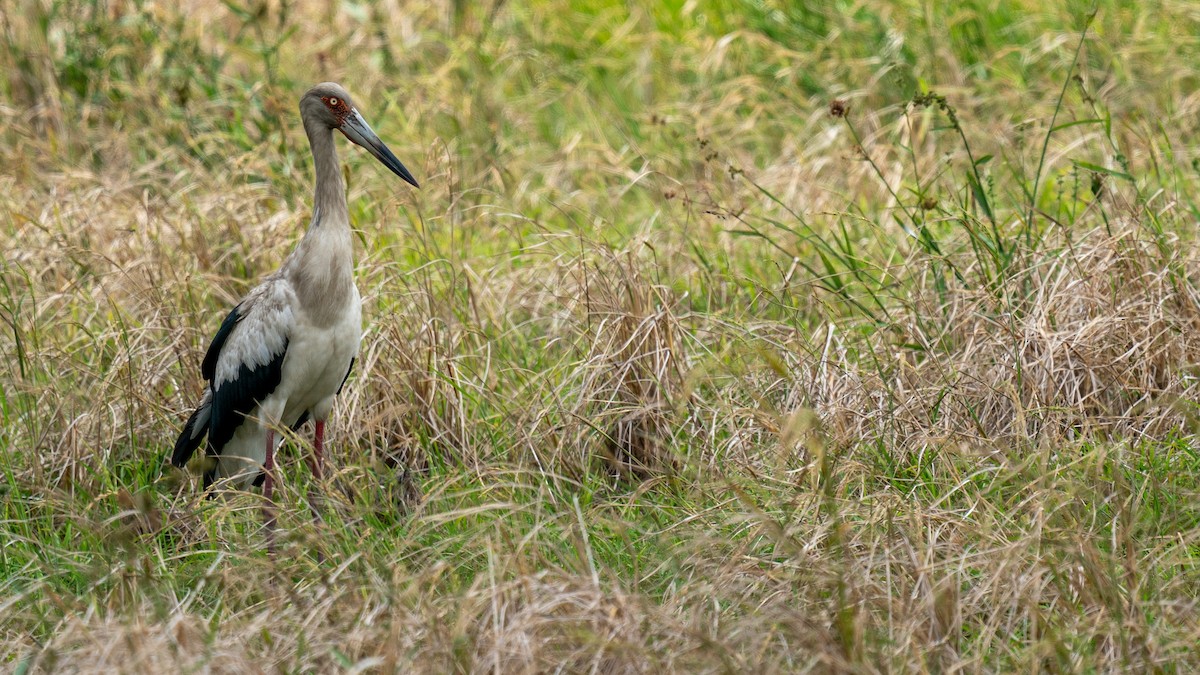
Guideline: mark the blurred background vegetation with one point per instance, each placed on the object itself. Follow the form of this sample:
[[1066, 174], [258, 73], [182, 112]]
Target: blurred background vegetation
[[727, 335]]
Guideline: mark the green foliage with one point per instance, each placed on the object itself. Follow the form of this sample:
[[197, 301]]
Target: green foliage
[[735, 335]]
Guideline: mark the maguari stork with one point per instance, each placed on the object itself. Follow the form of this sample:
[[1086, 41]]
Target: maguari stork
[[284, 352]]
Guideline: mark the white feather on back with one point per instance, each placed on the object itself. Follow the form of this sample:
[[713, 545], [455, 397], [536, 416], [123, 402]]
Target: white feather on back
[[262, 332]]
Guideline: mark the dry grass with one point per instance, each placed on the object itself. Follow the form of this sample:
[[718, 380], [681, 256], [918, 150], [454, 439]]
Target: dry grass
[[1101, 347], [666, 369]]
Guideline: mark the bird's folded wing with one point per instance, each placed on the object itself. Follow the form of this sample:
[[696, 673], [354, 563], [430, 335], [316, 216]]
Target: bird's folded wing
[[245, 362], [193, 432]]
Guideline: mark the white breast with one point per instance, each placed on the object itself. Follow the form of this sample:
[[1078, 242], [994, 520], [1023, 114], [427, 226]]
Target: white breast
[[317, 361]]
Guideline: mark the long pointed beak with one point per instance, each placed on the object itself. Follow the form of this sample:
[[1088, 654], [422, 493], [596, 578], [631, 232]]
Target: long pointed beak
[[356, 129]]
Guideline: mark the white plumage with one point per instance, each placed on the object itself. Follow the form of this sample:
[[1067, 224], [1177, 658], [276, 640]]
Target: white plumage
[[282, 355]]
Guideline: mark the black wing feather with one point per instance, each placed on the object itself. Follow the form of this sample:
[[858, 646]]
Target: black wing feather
[[208, 368], [197, 425], [225, 407], [192, 435], [347, 375], [233, 400]]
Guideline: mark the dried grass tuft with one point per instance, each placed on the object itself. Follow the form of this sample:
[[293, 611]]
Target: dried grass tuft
[[1094, 342]]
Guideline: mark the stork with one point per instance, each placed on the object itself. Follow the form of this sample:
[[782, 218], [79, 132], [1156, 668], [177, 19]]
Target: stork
[[285, 351]]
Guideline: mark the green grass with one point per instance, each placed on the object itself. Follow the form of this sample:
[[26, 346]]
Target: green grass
[[667, 365]]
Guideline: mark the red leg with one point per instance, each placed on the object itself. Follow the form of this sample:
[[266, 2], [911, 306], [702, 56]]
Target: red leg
[[318, 469], [319, 450], [268, 488]]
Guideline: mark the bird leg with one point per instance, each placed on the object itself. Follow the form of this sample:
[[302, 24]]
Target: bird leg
[[268, 508], [319, 449], [318, 470]]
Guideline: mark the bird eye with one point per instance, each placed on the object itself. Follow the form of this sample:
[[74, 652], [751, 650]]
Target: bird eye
[[333, 101]]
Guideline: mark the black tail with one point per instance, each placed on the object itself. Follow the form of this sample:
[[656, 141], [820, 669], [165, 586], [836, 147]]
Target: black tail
[[193, 432]]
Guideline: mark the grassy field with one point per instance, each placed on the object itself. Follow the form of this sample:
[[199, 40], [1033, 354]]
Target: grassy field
[[723, 336]]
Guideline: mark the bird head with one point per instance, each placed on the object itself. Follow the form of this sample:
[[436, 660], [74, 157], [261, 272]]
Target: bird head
[[329, 104]]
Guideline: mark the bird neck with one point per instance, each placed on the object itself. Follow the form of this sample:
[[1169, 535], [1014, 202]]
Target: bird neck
[[329, 197], [321, 269]]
